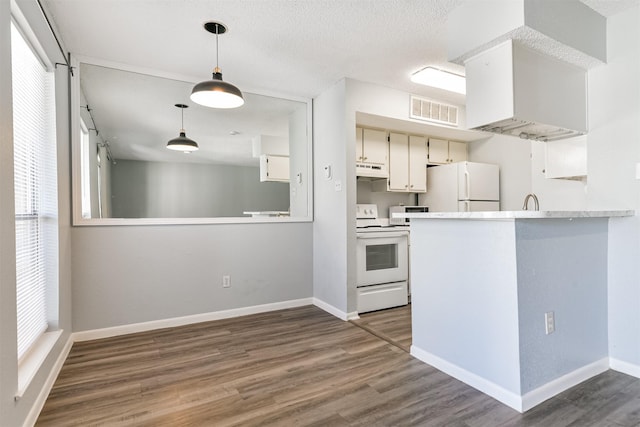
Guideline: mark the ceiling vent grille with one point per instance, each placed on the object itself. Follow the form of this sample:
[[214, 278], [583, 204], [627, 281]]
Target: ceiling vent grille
[[432, 111]]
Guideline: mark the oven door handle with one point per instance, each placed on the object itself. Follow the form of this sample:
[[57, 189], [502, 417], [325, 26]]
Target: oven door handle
[[382, 234]]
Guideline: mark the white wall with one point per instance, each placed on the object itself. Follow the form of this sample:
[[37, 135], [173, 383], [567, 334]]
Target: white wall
[[299, 152], [613, 151], [332, 226], [513, 155], [14, 413], [467, 317]]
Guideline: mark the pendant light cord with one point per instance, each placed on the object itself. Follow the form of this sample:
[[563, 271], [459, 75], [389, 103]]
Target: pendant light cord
[[182, 121], [217, 49]]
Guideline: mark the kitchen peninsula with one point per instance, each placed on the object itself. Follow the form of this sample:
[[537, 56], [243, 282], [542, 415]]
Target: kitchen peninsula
[[513, 303]]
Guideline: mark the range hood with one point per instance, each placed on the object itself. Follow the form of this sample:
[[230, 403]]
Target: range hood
[[514, 90]]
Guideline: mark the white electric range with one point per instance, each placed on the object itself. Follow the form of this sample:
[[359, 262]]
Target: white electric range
[[382, 261]]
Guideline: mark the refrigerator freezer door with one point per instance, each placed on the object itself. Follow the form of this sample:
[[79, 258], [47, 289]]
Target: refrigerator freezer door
[[476, 206], [478, 181]]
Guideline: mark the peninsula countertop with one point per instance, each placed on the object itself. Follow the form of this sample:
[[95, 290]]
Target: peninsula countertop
[[516, 214]]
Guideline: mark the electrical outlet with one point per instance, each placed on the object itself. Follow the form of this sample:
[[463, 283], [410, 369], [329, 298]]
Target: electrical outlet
[[549, 322], [226, 281]]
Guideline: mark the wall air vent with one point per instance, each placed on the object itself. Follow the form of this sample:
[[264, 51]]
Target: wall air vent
[[432, 111]]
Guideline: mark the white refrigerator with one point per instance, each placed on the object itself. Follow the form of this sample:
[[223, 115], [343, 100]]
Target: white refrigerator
[[462, 187]]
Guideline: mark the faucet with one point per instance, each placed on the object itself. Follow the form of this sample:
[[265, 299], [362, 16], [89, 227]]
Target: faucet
[[535, 202]]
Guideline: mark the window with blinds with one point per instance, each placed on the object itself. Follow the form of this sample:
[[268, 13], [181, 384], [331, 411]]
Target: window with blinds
[[36, 200]]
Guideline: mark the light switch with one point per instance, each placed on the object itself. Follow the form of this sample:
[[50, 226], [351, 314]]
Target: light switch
[[327, 172]]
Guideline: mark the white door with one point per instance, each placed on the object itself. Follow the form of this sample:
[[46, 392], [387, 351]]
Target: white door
[[478, 206], [478, 181]]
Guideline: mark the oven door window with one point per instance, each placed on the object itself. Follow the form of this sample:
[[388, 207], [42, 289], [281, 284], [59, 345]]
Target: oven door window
[[381, 257]]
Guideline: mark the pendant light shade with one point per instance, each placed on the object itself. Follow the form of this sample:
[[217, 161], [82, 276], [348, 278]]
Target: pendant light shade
[[182, 143], [216, 93]]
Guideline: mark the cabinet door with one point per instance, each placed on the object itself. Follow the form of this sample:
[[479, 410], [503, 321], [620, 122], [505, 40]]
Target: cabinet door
[[566, 158], [375, 146], [438, 151], [457, 151], [417, 164], [274, 168], [398, 162], [359, 153]]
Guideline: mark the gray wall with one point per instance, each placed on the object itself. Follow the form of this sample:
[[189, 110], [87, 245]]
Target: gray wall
[[562, 267], [14, 413], [191, 190], [134, 274]]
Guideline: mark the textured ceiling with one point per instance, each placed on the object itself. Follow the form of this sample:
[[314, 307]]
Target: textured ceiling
[[297, 47], [293, 48]]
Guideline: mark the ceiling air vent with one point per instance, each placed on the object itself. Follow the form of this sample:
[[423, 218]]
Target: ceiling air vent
[[432, 111]]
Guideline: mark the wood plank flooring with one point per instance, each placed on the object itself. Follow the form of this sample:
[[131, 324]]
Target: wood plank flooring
[[392, 325], [297, 367]]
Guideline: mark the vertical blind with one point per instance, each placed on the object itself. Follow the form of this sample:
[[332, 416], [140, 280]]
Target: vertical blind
[[36, 208]]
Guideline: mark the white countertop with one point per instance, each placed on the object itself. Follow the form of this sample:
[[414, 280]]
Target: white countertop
[[516, 214], [266, 213]]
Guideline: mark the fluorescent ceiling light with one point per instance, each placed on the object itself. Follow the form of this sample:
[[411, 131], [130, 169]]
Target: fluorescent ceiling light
[[433, 77]]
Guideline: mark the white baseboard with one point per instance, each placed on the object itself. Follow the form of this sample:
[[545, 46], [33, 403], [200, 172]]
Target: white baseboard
[[625, 367], [187, 320], [565, 382], [509, 398], [37, 406], [335, 311]]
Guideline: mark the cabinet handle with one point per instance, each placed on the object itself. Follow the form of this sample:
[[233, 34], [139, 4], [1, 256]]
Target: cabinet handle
[[411, 185], [364, 158]]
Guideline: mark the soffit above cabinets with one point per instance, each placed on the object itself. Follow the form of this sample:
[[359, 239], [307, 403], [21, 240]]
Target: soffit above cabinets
[[568, 30], [412, 127]]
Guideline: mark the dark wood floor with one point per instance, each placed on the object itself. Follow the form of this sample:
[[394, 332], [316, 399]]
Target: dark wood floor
[[392, 325], [297, 367]]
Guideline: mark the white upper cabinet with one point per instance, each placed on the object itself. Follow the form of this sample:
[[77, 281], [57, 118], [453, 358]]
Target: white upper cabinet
[[371, 146], [442, 151], [457, 151], [407, 163], [566, 159], [274, 168]]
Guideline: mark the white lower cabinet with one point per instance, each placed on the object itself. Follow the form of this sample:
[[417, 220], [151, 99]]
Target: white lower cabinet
[[407, 163]]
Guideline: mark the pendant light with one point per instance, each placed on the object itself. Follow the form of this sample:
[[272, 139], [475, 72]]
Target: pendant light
[[182, 143], [216, 93]]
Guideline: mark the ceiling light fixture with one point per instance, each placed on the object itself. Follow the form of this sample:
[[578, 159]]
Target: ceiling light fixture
[[440, 79], [182, 143], [216, 93]]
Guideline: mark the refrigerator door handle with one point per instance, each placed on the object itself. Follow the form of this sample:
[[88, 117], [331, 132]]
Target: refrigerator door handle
[[467, 185]]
